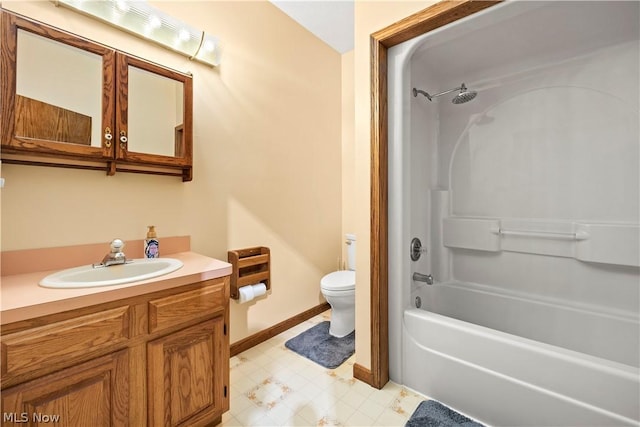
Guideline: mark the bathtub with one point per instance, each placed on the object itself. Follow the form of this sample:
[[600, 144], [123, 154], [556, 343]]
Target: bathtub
[[503, 377]]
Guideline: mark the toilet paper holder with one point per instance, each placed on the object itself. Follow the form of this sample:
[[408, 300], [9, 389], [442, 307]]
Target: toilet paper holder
[[250, 266]]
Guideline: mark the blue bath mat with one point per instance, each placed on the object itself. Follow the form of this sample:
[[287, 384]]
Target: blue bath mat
[[316, 344], [434, 414]]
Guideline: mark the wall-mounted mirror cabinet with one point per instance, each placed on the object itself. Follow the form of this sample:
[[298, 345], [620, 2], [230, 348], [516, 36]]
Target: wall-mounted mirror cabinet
[[153, 115], [68, 101]]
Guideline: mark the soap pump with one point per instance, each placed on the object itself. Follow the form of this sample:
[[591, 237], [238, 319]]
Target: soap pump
[[151, 244]]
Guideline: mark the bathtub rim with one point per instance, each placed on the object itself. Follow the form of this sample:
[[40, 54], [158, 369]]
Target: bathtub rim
[[586, 308]]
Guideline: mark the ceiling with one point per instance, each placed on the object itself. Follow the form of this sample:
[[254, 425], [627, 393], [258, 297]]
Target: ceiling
[[480, 51], [329, 20]]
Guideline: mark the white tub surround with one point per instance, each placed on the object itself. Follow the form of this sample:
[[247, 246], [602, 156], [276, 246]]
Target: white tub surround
[[527, 202]]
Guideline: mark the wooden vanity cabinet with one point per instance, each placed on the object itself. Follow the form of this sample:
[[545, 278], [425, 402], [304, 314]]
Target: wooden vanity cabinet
[[68, 101], [160, 359], [93, 393], [185, 382]]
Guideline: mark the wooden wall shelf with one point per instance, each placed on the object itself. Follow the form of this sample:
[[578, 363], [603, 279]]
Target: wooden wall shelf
[[250, 266]]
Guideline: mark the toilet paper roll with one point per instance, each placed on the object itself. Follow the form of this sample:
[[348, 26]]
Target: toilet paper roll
[[259, 290], [250, 292], [246, 294]]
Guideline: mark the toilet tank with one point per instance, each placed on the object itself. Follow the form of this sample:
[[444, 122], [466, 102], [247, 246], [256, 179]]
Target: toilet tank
[[351, 251]]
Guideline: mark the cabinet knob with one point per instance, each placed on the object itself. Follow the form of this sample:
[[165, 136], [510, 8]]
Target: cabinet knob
[[123, 139], [107, 137]]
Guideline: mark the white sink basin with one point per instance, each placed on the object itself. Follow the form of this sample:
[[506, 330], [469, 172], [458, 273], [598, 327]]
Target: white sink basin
[[88, 277]]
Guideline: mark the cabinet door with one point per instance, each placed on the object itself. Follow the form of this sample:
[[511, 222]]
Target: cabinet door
[[57, 96], [94, 393], [186, 385], [153, 115]]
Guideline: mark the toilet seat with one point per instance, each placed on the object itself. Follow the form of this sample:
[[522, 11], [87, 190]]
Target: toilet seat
[[343, 280]]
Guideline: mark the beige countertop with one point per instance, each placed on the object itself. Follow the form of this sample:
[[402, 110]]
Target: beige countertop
[[21, 297]]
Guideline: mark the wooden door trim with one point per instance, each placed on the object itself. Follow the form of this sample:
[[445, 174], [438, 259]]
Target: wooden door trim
[[433, 17]]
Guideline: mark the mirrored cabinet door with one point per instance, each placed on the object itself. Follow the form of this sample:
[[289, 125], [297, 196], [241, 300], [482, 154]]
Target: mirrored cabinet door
[[57, 94], [154, 117]]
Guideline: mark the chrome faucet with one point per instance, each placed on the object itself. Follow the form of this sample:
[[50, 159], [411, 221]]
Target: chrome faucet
[[115, 257], [427, 278]]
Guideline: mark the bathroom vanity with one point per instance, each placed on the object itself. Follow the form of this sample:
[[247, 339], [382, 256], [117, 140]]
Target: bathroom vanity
[[154, 352]]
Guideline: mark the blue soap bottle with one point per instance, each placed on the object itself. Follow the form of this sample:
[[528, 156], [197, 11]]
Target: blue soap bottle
[[151, 244]]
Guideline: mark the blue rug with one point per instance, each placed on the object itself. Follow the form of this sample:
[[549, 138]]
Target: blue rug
[[434, 414], [316, 344]]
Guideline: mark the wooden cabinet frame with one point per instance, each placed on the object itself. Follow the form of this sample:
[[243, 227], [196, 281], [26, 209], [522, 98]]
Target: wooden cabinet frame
[[14, 144], [112, 155], [125, 156]]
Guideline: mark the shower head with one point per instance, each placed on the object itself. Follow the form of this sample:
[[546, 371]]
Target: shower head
[[465, 94]]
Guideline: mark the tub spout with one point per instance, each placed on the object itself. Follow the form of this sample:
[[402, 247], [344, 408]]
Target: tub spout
[[426, 278]]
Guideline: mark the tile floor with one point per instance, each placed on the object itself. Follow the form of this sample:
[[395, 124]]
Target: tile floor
[[273, 386]]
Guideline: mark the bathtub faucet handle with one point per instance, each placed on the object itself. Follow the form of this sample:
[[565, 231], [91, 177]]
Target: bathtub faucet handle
[[426, 278], [417, 249]]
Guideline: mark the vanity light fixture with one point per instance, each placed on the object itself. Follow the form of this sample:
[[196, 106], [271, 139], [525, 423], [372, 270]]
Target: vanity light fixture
[[143, 20]]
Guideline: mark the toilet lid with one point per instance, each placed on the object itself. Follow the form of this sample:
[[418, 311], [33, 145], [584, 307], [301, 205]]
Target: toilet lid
[[343, 280]]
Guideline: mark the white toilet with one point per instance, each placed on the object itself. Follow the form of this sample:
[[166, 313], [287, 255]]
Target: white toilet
[[339, 289]]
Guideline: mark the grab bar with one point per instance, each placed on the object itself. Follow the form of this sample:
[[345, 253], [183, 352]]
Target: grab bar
[[579, 235]]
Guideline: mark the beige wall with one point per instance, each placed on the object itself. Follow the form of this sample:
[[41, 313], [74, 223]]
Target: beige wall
[[348, 151], [267, 148], [269, 113], [370, 16]]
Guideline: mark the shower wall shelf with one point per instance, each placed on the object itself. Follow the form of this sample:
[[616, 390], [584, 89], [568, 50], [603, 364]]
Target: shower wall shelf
[[250, 266], [605, 243]]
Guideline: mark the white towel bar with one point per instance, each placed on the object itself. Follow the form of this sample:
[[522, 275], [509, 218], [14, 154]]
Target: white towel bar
[[580, 235]]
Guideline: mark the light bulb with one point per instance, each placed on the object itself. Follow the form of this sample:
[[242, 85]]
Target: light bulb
[[154, 22], [122, 6], [183, 35]]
